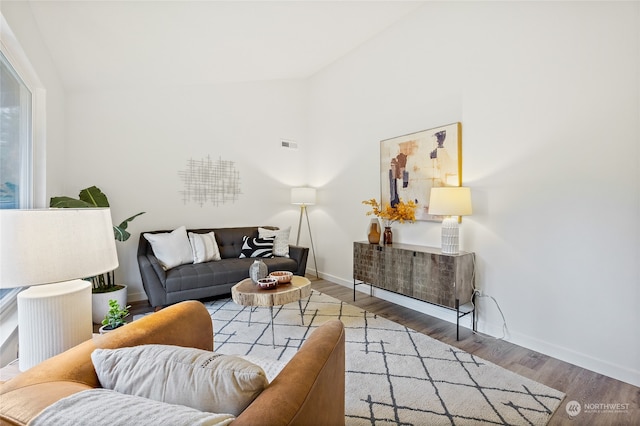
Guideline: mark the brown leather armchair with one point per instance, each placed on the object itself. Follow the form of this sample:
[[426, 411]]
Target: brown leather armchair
[[308, 391]]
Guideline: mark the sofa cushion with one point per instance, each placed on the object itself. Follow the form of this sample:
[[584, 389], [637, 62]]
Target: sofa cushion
[[224, 273], [172, 249], [193, 377], [104, 407], [281, 242], [230, 239], [204, 247], [257, 247]]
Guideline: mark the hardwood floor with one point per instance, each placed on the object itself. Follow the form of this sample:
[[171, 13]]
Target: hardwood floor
[[579, 384]]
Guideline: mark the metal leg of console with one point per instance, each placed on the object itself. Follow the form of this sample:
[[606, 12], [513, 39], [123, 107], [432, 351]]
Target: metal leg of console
[[457, 319]]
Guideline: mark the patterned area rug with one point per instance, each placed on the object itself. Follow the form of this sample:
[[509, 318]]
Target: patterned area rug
[[395, 375]]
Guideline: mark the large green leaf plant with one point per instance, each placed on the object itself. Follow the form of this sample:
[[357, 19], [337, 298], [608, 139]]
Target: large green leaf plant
[[93, 197]]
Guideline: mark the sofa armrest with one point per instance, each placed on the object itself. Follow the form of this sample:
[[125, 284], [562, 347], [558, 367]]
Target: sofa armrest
[[184, 324], [300, 255], [153, 279], [310, 389]]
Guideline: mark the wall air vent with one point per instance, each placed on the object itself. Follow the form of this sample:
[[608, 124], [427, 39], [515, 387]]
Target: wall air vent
[[288, 144]]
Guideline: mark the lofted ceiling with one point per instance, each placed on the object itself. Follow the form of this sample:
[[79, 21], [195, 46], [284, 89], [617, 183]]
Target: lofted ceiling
[[112, 44]]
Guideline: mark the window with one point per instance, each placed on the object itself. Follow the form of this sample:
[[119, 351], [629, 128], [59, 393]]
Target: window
[[16, 158], [22, 171], [15, 139]]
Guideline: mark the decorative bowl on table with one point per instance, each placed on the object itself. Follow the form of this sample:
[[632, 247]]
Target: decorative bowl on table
[[283, 277], [267, 283]]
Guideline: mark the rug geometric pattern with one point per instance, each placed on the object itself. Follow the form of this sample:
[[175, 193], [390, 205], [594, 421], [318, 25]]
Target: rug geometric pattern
[[395, 375]]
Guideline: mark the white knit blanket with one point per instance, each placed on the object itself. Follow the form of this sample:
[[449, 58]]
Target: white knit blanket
[[103, 407]]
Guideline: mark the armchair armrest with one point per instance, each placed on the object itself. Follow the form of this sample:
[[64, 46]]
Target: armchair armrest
[[311, 387]]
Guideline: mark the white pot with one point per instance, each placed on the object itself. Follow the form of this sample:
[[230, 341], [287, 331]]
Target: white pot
[[104, 330], [100, 303]]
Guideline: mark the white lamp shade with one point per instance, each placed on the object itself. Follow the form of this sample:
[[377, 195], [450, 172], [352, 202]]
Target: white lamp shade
[[55, 245], [303, 196], [450, 201]]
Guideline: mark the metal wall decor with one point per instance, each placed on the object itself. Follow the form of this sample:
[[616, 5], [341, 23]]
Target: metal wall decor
[[208, 181]]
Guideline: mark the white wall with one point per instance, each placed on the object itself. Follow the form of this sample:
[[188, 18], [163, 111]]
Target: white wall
[[132, 144], [548, 99]]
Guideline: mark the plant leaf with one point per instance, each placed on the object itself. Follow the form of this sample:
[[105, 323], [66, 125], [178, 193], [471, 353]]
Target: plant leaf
[[120, 232], [68, 202], [94, 196]]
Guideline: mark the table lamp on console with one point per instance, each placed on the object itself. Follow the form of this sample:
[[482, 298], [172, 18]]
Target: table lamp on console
[[452, 202], [50, 251]]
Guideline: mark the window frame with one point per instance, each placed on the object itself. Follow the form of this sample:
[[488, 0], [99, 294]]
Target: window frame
[[17, 58]]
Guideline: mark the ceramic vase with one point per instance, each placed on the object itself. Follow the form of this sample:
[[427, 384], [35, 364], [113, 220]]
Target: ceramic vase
[[258, 270], [374, 232], [388, 235]]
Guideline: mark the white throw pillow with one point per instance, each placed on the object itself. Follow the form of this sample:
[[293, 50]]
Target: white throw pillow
[[204, 247], [200, 379], [281, 243], [104, 407], [172, 249]]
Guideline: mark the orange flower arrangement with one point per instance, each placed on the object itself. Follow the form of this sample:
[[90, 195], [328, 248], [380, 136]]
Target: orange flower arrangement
[[402, 212]]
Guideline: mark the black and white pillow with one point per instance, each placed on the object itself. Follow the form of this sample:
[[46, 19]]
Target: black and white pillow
[[257, 247]]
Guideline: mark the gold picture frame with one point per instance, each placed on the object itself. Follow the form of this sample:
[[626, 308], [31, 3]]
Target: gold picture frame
[[412, 164]]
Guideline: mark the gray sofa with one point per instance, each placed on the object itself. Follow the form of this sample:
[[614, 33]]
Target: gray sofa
[[214, 278]]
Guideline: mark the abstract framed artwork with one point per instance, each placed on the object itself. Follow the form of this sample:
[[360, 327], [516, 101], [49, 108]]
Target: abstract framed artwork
[[412, 164]]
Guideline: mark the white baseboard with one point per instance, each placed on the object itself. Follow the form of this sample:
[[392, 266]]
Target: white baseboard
[[597, 365], [137, 297]]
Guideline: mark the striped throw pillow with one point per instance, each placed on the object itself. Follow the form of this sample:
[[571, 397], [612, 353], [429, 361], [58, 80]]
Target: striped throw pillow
[[257, 247]]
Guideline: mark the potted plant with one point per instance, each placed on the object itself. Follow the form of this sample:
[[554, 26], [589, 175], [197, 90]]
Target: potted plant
[[104, 286], [114, 317], [400, 211]]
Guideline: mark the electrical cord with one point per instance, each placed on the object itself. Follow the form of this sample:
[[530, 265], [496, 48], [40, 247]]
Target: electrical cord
[[478, 293]]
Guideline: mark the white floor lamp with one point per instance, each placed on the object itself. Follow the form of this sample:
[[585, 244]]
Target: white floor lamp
[[50, 251], [305, 197]]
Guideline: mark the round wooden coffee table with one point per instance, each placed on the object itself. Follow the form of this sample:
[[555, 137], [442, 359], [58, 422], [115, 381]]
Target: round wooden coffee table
[[246, 293]]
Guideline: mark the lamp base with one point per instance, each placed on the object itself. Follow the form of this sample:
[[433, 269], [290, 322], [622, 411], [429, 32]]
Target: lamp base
[[52, 318], [450, 236]]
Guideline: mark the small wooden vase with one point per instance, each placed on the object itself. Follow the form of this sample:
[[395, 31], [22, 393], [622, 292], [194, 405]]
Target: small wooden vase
[[374, 232], [388, 235]]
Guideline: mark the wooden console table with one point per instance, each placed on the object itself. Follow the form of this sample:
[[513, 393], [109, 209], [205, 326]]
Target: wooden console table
[[420, 272]]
